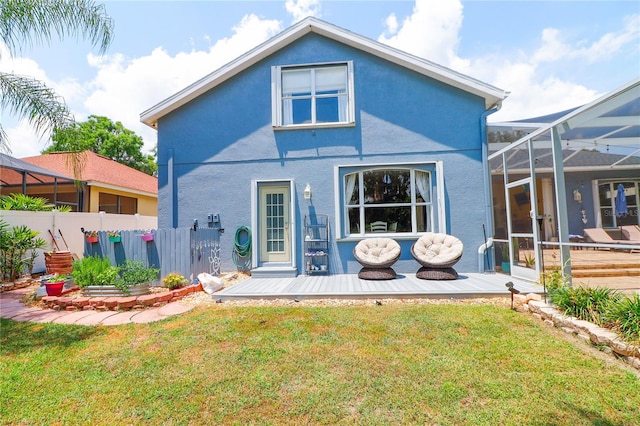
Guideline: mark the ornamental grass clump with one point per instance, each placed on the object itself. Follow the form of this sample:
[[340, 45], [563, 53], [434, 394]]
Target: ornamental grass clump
[[624, 317], [589, 304]]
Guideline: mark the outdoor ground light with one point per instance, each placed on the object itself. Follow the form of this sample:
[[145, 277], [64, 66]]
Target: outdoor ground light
[[307, 192]]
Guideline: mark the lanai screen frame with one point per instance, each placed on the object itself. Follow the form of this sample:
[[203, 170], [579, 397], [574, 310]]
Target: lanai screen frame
[[597, 114]]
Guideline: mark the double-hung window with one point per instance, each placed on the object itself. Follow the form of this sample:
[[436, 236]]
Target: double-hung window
[[309, 96], [388, 200]]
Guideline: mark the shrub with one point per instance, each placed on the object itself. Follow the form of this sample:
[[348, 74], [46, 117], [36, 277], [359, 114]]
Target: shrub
[[15, 243], [94, 270], [133, 272], [174, 280], [19, 201], [589, 304], [624, 317]]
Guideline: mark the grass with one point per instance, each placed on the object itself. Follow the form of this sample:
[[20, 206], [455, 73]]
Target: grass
[[391, 364]]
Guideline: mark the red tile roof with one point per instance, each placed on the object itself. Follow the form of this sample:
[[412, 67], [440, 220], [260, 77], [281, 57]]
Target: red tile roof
[[98, 169]]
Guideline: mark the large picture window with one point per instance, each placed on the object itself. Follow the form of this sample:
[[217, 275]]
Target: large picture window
[[388, 200], [313, 95]]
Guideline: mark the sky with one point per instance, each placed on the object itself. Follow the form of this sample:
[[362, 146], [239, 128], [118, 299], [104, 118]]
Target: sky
[[550, 55]]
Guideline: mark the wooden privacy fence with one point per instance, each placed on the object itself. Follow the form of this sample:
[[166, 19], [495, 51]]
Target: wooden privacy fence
[[183, 250]]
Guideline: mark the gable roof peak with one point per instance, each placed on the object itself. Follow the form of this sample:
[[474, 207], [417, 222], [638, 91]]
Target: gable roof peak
[[492, 95]]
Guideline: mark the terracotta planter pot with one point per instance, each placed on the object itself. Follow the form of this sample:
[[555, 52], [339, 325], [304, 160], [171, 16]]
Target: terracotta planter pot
[[91, 240], [54, 289]]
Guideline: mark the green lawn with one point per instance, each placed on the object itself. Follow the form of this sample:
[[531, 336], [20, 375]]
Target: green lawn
[[391, 364]]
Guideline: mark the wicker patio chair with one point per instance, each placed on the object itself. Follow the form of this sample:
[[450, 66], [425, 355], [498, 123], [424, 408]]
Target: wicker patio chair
[[437, 253], [377, 255]]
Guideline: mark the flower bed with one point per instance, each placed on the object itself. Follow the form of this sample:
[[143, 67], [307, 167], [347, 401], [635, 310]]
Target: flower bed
[[106, 303]]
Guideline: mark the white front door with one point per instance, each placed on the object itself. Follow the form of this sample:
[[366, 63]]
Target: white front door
[[274, 220]]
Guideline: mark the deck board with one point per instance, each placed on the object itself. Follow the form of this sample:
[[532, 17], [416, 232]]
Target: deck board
[[350, 286]]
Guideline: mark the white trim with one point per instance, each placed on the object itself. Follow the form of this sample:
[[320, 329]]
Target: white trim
[[442, 216], [97, 184], [254, 223], [341, 208], [277, 98], [492, 95], [336, 200], [293, 232]]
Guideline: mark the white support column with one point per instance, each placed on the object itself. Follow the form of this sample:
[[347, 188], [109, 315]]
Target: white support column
[[561, 203]]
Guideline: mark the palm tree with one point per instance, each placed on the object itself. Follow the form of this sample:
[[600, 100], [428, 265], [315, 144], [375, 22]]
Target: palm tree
[[37, 21]]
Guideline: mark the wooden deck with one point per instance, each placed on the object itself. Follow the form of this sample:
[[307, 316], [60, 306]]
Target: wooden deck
[[349, 286]]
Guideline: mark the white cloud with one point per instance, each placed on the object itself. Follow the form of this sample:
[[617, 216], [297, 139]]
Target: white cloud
[[125, 87], [554, 48], [300, 9], [23, 140], [430, 32], [391, 24]]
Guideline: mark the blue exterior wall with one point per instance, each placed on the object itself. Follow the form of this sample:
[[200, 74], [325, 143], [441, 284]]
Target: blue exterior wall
[[224, 139]]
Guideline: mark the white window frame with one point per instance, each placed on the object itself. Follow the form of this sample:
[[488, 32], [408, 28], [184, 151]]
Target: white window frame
[[276, 97], [436, 206], [596, 199]]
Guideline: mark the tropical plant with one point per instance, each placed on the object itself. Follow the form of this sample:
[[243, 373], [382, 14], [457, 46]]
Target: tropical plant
[[19, 201], [15, 243], [174, 280], [36, 22], [94, 270]]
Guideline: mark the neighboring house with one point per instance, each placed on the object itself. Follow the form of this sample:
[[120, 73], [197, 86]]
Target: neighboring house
[[105, 185], [319, 120], [17, 176]]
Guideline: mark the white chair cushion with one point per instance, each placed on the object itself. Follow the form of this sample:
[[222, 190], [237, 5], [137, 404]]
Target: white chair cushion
[[377, 252], [437, 249]]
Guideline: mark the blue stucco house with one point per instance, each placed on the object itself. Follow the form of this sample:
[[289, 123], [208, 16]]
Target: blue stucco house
[[371, 133]]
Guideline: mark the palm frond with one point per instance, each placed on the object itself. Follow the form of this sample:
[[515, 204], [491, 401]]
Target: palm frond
[[36, 21], [31, 99]]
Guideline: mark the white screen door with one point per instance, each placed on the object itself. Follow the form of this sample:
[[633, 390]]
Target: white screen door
[[523, 240]]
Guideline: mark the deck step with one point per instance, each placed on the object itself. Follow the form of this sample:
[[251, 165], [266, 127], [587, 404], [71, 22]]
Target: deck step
[[595, 265], [612, 272]]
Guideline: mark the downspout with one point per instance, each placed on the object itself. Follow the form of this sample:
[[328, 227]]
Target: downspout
[[487, 189]]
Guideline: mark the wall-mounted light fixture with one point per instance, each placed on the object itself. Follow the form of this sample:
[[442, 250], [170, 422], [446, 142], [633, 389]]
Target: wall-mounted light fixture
[[307, 192]]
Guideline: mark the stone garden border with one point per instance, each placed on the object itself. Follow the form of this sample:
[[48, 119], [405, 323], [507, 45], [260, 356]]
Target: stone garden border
[[585, 330], [116, 303]]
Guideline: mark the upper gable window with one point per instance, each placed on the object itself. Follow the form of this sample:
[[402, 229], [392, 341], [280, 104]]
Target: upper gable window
[[312, 96]]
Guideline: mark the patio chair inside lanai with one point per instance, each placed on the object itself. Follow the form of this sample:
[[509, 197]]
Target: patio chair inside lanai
[[600, 236]]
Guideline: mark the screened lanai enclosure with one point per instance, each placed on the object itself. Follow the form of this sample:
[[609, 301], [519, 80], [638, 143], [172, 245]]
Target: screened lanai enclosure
[[566, 192]]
